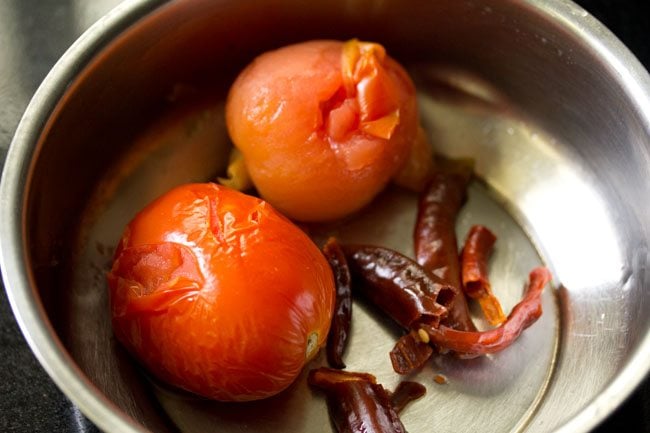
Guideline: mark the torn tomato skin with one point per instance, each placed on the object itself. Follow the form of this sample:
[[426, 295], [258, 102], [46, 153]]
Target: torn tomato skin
[[356, 402], [337, 338], [434, 236], [524, 314], [397, 285], [475, 255]]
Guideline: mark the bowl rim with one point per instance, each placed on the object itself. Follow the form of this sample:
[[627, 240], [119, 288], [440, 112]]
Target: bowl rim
[[14, 262]]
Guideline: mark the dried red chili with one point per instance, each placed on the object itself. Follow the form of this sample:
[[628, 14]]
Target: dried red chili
[[398, 285], [524, 314], [356, 402], [340, 328], [474, 265], [406, 292], [435, 241]]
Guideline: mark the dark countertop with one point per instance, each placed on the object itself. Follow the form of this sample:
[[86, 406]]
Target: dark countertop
[[33, 35]]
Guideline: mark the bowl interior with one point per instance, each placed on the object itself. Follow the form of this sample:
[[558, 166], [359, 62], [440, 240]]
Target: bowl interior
[[554, 121]]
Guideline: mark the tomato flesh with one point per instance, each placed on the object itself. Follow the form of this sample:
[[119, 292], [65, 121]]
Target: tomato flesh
[[217, 293]]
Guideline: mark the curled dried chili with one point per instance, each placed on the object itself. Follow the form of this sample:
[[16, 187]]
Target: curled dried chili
[[398, 285], [435, 240], [340, 328], [476, 343], [405, 292], [474, 265], [356, 402]]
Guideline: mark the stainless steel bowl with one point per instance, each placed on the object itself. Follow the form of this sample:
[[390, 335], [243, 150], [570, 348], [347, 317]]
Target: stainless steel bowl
[[555, 110]]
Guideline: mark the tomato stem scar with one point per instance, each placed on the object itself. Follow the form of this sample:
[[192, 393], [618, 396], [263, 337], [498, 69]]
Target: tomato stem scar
[[312, 345]]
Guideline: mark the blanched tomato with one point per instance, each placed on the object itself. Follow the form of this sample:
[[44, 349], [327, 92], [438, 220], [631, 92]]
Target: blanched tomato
[[323, 125], [217, 293]]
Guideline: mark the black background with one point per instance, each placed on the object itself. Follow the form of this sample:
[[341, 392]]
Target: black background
[[29, 400]]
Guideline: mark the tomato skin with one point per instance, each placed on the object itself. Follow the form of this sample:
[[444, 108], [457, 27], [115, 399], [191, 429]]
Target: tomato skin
[[217, 293], [320, 142]]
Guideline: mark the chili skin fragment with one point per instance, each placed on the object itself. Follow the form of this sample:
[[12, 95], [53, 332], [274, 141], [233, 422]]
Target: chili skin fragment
[[340, 328], [435, 242], [524, 314], [358, 404], [406, 392], [410, 353], [474, 265]]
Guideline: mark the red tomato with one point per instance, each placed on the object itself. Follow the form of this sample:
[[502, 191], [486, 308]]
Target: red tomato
[[217, 293], [323, 125]]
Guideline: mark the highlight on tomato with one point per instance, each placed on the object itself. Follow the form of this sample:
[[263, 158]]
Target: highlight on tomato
[[217, 293], [324, 125]]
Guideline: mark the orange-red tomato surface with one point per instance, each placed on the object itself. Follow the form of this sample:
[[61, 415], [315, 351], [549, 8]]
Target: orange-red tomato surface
[[217, 293], [323, 125]]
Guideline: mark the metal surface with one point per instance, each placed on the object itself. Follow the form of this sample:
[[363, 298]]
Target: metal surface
[[561, 136]]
